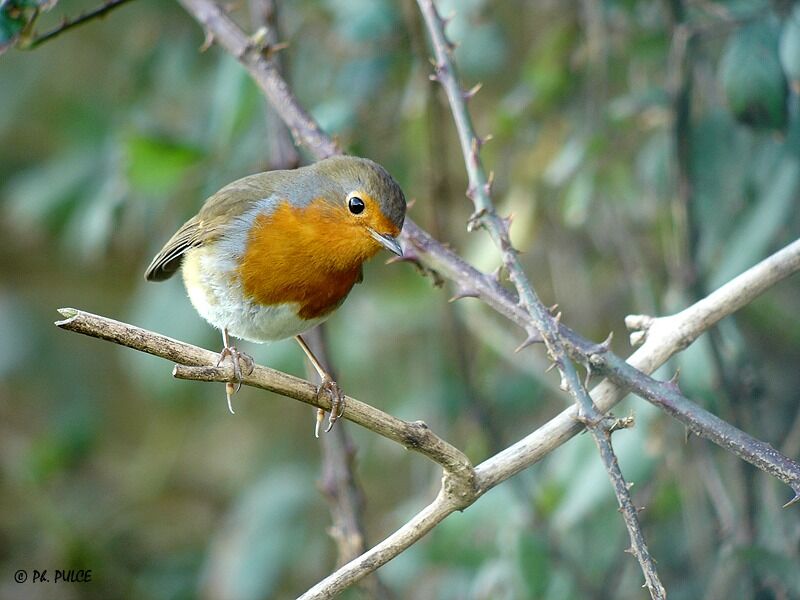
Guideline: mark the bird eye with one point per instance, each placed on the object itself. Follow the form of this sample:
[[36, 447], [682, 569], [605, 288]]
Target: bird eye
[[356, 205]]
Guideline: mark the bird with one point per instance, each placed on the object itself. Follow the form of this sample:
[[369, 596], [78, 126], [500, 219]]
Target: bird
[[271, 255]]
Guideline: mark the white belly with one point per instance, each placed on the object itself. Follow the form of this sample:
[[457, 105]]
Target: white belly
[[215, 290]]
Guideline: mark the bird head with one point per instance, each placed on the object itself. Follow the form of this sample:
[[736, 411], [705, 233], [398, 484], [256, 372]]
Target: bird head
[[371, 204]]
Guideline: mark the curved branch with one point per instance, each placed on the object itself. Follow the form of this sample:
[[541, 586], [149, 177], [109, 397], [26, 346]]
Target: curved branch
[[200, 365], [410, 533]]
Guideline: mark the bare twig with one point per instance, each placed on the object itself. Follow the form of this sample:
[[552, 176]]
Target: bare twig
[[479, 192], [662, 337], [200, 365], [67, 24]]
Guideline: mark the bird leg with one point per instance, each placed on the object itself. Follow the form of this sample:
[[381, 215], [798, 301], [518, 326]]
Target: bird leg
[[237, 358], [328, 387]]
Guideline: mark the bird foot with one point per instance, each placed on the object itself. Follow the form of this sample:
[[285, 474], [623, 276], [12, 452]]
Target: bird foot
[[238, 359], [329, 388]]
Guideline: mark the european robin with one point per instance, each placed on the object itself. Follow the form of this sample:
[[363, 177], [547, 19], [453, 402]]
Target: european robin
[[272, 255]]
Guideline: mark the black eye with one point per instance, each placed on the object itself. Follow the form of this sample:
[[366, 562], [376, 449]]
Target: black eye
[[356, 205]]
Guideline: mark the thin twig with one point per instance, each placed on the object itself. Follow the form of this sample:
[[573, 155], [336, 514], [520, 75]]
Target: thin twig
[[200, 365], [479, 192], [67, 24], [667, 396]]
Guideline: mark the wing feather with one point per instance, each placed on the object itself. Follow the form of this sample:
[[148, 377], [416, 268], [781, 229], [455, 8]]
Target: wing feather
[[220, 209]]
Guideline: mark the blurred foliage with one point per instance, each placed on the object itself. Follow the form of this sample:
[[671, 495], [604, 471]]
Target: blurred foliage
[[112, 134]]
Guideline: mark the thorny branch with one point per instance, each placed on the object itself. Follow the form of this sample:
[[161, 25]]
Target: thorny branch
[[479, 192], [660, 338]]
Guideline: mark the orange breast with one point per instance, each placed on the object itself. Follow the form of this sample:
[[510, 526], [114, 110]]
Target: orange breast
[[311, 256]]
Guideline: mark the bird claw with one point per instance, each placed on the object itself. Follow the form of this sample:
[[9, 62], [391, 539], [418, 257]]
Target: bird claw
[[330, 388], [237, 359]]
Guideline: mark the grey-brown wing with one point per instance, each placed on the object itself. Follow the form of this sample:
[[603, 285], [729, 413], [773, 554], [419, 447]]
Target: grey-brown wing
[[169, 259], [228, 203]]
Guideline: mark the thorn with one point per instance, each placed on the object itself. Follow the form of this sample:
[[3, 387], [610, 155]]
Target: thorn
[[557, 317], [471, 192], [207, 42], [673, 383], [552, 310], [630, 550], [563, 384], [793, 501], [410, 204], [629, 485], [506, 221], [475, 146], [531, 339], [470, 93], [464, 293], [270, 51], [687, 433], [489, 183], [433, 77], [550, 368], [605, 345]]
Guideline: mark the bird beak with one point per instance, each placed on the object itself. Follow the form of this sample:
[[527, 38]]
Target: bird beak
[[386, 241]]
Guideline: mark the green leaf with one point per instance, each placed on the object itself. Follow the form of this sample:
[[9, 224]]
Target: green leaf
[[157, 165], [10, 28], [752, 77], [16, 15]]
